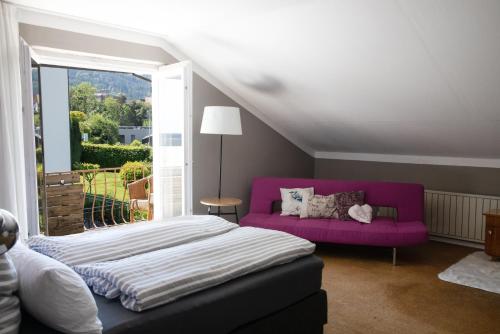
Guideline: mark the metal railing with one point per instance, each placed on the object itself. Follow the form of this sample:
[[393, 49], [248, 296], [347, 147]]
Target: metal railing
[[93, 198], [79, 200], [105, 195]]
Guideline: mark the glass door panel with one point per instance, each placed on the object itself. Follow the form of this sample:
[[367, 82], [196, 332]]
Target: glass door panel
[[172, 141]]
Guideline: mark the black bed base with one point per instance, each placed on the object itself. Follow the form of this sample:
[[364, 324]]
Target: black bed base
[[304, 317], [283, 299]]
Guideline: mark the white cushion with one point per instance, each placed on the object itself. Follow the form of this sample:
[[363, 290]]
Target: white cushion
[[362, 214], [294, 201], [53, 293]]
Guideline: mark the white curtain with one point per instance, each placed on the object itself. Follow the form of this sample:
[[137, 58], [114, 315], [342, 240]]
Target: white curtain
[[12, 166]]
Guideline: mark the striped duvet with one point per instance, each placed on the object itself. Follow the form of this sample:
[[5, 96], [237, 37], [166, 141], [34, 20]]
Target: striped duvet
[[128, 240], [155, 278]]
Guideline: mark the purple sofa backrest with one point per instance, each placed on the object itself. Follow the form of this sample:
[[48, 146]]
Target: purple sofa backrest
[[407, 198]]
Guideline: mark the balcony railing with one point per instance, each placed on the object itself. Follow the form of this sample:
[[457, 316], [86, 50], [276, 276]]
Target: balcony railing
[[80, 200], [86, 199], [105, 196]]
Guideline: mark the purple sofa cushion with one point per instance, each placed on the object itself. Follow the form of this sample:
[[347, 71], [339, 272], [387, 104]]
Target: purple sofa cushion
[[383, 231]]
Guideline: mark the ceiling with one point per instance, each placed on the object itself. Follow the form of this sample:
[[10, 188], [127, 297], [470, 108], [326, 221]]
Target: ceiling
[[408, 77]]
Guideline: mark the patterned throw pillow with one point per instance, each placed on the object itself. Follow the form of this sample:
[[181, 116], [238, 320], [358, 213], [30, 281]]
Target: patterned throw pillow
[[319, 206], [294, 201], [344, 200]]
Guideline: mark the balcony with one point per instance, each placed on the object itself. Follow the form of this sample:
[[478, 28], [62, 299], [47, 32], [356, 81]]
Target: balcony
[[80, 200]]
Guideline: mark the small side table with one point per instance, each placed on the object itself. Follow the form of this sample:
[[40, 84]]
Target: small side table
[[222, 202], [492, 234]]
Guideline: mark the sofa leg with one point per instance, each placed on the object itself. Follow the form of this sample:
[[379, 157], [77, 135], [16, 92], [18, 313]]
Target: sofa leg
[[394, 254]]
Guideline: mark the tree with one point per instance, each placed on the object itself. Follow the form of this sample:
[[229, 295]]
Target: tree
[[78, 115], [135, 142], [89, 176], [121, 98], [75, 136], [82, 97], [101, 130], [135, 112], [111, 109]]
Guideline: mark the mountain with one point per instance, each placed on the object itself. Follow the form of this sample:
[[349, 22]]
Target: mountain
[[112, 82]]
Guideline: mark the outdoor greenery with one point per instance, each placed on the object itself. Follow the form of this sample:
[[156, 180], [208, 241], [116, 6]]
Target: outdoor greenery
[[83, 97], [136, 113], [109, 178], [112, 109], [134, 170], [89, 177], [39, 154], [100, 121], [108, 205], [101, 130], [135, 142], [85, 166], [114, 155], [79, 116], [100, 103], [75, 135]]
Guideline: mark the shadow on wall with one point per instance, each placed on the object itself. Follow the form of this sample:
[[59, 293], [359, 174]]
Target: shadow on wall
[[251, 77], [260, 82]]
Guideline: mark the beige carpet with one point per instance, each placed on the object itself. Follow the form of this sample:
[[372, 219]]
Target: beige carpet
[[366, 294]]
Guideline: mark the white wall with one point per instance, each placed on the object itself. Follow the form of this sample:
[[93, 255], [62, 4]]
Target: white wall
[[55, 118]]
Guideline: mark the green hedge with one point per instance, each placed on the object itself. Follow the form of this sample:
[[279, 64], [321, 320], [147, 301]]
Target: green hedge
[[114, 155], [39, 155], [135, 170], [75, 140]]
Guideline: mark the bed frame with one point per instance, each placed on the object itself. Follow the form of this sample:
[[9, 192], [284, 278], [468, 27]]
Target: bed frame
[[283, 299]]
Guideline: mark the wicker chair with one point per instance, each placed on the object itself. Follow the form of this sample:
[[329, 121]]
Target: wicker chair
[[141, 197]]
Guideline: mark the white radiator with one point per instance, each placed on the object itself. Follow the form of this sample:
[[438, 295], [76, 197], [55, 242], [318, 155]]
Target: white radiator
[[456, 215]]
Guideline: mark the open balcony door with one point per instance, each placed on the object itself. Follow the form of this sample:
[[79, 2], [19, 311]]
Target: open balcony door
[[172, 140]]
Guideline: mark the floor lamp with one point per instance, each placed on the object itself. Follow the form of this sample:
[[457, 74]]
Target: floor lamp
[[221, 121]]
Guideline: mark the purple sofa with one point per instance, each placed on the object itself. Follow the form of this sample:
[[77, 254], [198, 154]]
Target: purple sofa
[[407, 229]]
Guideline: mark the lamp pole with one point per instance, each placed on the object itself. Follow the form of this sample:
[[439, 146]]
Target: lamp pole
[[220, 166]]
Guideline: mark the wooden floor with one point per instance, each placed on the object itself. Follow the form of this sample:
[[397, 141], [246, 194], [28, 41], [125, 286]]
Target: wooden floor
[[366, 294]]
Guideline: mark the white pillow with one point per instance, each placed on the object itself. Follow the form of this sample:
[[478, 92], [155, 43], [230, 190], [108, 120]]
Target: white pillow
[[362, 214], [294, 201], [54, 294]]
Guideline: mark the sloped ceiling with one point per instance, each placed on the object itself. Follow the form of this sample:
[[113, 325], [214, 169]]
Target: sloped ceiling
[[412, 77]]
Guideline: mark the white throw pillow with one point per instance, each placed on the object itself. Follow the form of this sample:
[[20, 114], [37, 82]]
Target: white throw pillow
[[294, 201], [362, 214], [54, 294]]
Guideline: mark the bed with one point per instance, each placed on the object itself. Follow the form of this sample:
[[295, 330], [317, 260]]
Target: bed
[[285, 299], [282, 299]]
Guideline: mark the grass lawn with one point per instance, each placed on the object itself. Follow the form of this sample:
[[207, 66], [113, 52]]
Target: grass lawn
[[108, 178]]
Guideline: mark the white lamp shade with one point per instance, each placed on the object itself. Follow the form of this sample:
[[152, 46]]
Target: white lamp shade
[[221, 121]]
